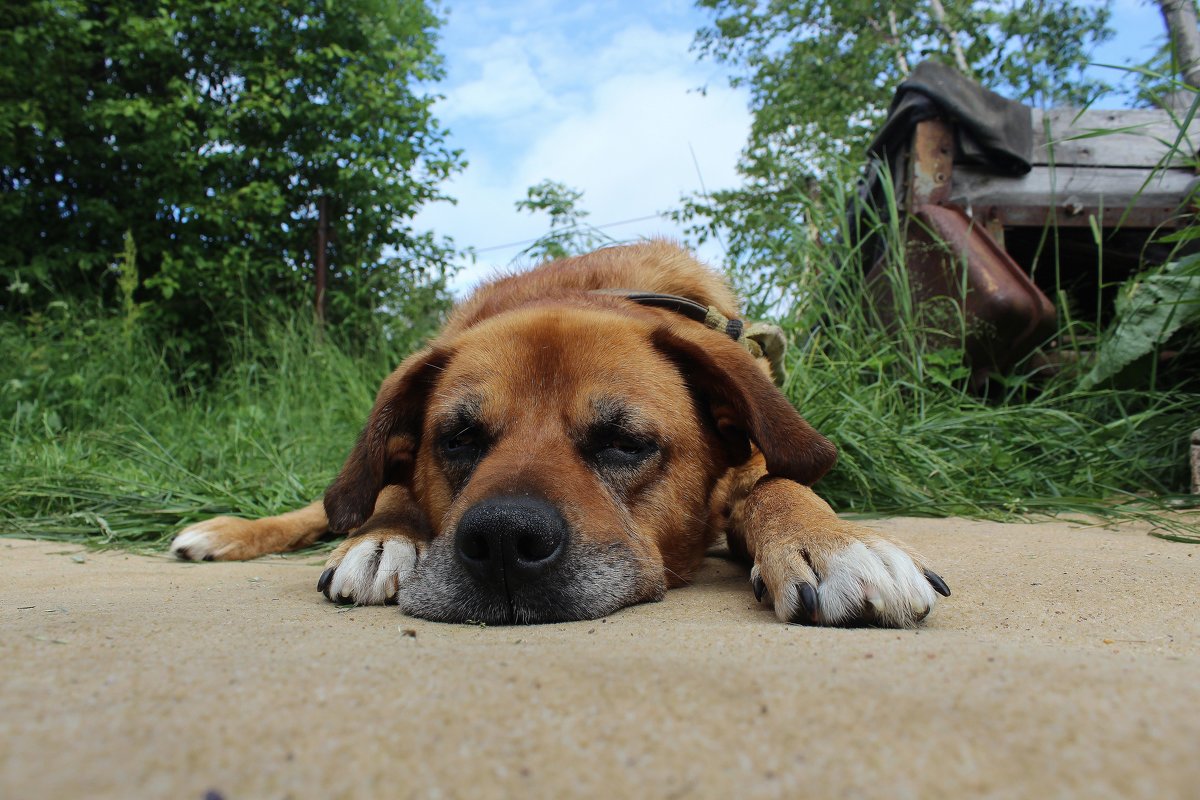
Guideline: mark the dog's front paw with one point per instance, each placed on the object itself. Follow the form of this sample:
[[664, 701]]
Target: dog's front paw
[[846, 579], [368, 569], [216, 539]]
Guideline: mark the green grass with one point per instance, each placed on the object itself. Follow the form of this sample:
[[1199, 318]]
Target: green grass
[[914, 439], [102, 443], [105, 443]]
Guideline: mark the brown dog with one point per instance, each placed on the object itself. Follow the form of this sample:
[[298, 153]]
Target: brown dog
[[563, 450]]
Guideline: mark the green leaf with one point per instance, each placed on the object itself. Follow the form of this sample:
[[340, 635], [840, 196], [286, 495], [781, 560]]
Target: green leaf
[[1151, 309]]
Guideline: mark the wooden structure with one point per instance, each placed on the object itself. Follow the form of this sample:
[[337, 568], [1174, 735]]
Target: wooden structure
[[1101, 186], [1128, 169]]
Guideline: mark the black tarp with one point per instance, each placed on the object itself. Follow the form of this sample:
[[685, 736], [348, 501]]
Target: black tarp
[[990, 131]]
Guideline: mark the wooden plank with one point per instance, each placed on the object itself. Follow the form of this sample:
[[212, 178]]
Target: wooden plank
[[1138, 197], [931, 162], [1146, 137]]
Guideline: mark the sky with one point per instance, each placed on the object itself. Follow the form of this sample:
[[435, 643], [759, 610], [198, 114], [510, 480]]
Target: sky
[[604, 97]]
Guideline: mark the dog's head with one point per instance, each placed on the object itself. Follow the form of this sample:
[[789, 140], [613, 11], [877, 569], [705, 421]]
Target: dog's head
[[566, 458]]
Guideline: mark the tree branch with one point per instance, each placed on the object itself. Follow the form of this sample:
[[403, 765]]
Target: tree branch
[[939, 14]]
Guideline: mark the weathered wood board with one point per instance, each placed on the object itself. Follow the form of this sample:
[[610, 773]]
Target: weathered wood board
[[1138, 176], [1137, 198], [1136, 138]]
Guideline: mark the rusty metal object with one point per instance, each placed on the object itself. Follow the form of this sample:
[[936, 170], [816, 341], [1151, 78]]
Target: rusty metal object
[[988, 303], [932, 163], [1003, 316]]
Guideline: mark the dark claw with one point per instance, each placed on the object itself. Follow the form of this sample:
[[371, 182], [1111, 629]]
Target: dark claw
[[183, 553], [808, 599], [323, 581], [937, 583], [760, 588], [208, 556]]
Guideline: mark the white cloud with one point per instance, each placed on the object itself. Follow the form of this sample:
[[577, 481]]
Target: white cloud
[[611, 111], [507, 86], [630, 151]]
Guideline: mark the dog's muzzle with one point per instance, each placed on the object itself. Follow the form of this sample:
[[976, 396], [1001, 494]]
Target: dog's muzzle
[[515, 559]]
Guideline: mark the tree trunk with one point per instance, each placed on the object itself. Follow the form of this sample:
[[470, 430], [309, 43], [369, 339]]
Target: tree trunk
[[1180, 16], [321, 257]]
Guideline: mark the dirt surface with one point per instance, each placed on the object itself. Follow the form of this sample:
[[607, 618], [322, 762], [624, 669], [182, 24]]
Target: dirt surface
[[1066, 663]]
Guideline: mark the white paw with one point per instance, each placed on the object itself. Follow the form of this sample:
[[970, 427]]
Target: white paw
[[369, 571], [871, 582], [210, 540]]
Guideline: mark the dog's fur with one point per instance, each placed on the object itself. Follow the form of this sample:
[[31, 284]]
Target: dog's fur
[[558, 453]]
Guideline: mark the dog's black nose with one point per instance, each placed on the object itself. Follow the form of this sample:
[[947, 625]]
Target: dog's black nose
[[510, 542]]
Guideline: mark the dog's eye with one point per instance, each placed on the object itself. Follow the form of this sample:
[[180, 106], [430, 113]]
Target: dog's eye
[[630, 447], [464, 443], [615, 447]]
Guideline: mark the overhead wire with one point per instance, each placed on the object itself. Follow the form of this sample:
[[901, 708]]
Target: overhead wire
[[596, 227]]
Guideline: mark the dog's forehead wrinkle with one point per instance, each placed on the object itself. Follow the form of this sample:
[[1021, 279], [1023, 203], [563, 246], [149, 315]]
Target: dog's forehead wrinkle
[[572, 331], [621, 411], [612, 409], [459, 412], [468, 406]]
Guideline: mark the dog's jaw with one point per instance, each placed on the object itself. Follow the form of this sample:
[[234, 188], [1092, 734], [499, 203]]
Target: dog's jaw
[[593, 581]]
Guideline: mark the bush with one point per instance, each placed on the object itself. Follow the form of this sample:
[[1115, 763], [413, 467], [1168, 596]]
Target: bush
[[177, 153]]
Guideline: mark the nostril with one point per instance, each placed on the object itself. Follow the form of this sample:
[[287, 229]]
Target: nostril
[[532, 547], [474, 548]]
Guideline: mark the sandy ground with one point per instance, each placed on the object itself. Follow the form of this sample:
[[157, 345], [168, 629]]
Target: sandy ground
[[1066, 663]]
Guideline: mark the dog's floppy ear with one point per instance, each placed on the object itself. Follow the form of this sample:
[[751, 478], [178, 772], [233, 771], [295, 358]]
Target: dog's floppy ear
[[745, 405], [387, 446]]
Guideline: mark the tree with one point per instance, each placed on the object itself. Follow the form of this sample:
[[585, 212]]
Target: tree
[[821, 75], [569, 234], [1171, 77], [208, 131]]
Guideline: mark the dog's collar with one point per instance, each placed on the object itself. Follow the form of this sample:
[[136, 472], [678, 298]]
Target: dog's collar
[[761, 339]]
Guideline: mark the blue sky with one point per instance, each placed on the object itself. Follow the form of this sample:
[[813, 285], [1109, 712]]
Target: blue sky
[[602, 96]]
